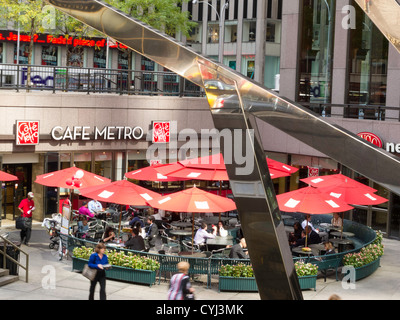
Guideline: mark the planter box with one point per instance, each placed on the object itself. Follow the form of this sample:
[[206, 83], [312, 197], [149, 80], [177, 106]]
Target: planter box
[[308, 282], [120, 273], [367, 270], [237, 284]]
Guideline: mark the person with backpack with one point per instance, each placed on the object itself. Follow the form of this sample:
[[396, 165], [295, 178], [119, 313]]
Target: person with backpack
[[180, 287]]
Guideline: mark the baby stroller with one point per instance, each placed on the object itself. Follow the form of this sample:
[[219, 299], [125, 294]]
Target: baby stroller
[[53, 226]]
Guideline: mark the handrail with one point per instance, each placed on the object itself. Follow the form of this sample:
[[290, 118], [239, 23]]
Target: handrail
[[6, 256]]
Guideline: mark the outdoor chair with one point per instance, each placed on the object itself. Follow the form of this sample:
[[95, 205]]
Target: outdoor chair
[[189, 246], [169, 243]]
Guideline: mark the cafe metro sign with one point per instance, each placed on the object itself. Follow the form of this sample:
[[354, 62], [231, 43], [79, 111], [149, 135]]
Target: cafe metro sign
[[87, 133]]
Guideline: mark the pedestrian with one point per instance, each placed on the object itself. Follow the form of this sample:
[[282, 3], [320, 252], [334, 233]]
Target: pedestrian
[[27, 206], [180, 287], [97, 261]]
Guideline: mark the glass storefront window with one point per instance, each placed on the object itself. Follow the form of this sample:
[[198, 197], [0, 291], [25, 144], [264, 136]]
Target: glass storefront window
[[273, 31], [103, 164], [368, 58], [1, 53], [379, 220], [195, 34], [316, 51], [213, 33], [249, 30], [100, 58], [23, 53], [230, 31], [75, 57], [83, 161], [49, 56]]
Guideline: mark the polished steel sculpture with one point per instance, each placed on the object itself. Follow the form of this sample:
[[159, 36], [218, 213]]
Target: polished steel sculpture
[[385, 14], [235, 103]]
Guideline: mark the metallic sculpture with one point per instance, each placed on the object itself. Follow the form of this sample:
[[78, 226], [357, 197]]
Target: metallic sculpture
[[235, 103]]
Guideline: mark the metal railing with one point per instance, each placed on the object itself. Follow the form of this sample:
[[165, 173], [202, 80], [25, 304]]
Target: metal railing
[[95, 80], [3, 250], [353, 111]]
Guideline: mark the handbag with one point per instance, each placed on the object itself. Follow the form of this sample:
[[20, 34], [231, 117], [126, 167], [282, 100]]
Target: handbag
[[89, 272], [20, 223]]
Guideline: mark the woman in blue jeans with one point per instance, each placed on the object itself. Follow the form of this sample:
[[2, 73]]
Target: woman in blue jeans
[[96, 261]]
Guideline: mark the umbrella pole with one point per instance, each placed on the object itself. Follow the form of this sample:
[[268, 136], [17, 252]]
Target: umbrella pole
[[306, 234], [192, 231], [120, 218]]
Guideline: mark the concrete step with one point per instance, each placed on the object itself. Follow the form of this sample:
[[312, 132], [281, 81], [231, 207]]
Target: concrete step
[[4, 272], [8, 279]]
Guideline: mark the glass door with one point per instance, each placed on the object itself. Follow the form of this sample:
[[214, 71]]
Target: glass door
[[52, 163]]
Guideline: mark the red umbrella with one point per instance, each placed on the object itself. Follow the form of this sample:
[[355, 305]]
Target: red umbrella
[[310, 200], [70, 178], [151, 174], [4, 176], [193, 200], [273, 164], [120, 192], [346, 189]]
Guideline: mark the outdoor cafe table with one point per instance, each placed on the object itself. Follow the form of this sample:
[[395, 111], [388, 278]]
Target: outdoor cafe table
[[341, 244], [181, 234], [219, 242], [345, 234], [181, 224], [299, 252], [317, 248], [214, 220]]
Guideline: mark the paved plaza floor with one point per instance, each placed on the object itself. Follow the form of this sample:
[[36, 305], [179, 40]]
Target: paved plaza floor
[[51, 279]]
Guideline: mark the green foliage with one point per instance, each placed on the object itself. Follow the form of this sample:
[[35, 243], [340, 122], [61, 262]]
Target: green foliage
[[121, 259], [305, 269], [165, 15], [237, 271]]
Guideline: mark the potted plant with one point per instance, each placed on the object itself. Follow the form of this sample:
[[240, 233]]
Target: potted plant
[[238, 277], [307, 274], [126, 266], [367, 260]]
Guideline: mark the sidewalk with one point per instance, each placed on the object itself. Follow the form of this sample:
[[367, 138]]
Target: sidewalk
[[69, 285]]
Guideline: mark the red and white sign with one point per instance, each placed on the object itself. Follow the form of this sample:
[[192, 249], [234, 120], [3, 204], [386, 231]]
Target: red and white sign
[[27, 133], [313, 171], [161, 131], [371, 137]]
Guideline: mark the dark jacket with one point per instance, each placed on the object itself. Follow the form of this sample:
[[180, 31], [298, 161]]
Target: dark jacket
[[237, 252], [152, 234], [135, 243], [312, 238]]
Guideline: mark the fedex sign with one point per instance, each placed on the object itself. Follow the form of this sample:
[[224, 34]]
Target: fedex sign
[[36, 79]]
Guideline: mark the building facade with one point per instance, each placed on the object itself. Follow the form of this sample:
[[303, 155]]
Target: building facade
[[324, 54]]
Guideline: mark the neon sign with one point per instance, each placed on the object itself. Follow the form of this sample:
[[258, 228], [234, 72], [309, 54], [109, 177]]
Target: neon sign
[[10, 36]]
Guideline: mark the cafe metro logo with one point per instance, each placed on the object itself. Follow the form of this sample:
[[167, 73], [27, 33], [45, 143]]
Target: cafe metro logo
[[27, 133], [161, 131]]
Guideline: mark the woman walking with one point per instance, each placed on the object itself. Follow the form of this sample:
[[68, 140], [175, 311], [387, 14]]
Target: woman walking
[[96, 261]]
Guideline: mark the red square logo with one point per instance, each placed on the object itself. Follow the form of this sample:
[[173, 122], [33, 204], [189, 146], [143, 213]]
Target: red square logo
[[27, 132], [161, 131]]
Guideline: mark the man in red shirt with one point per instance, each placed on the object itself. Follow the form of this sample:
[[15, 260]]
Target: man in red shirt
[[27, 206]]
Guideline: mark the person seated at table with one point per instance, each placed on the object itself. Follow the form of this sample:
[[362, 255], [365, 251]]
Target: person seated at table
[[134, 219], [202, 235], [221, 230], [296, 234], [142, 231], [307, 222], [95, 206], [135, 242], [312, 237], [329, 248], [336, 220], [108, 235], [84, 211], [152, 231], [237, 251], [83, 228]]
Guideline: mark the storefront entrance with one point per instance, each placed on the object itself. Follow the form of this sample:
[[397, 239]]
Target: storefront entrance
[[14, 191]]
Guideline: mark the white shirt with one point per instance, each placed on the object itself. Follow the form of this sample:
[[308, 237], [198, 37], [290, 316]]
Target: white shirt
[[223, 232], [95, 206], [304, 224], [202, 235]]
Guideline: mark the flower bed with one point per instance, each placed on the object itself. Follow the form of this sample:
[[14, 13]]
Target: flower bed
[[307, 275], [367, 260], [126, 267], [238, 277]]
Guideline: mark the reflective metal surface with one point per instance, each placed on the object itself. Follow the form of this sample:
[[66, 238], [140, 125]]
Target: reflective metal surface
[[385, 14], [235, 101]]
